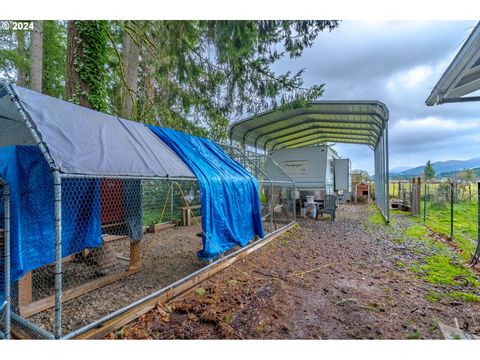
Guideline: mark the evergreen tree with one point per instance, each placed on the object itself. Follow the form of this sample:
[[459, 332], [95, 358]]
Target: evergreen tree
[[54, 58], [429, 171]]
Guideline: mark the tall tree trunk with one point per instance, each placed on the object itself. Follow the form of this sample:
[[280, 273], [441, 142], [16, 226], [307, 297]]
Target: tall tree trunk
[[76, 89], [148, 113], [36, 56], [131, 58], [21, 71]]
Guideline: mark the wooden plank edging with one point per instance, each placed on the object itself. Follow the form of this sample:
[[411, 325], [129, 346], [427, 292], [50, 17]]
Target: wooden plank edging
[[171, 293], [49, 302]]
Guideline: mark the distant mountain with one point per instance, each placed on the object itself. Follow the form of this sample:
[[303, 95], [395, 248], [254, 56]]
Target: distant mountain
[[454, 174], [440, 167], [398, 169]]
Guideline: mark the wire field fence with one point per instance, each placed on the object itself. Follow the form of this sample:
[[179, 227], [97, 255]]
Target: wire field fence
[[448, 207], [111, 243]]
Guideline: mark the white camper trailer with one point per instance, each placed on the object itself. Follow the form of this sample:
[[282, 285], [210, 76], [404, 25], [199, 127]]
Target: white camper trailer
[[312, 168], [343, 180]]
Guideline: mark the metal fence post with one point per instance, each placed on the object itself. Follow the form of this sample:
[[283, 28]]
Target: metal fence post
[[294, 203], [57, 181], [272, 207], [6, 262], [425, 201], [451, 209], [171, 202], [477, 250]]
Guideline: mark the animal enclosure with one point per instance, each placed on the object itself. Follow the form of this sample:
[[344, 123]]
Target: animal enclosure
[[92, 246]]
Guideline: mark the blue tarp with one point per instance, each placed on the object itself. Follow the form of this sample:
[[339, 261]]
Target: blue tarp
[[33, 213], [231, 213]]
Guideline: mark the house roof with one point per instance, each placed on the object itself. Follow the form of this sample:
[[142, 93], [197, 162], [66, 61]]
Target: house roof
[[462, 76]]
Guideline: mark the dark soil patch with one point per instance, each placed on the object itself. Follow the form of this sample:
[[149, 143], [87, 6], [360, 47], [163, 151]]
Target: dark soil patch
[[348, 279]]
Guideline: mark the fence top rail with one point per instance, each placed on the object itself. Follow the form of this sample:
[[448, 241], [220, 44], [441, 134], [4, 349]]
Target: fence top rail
[[276, 182], [125, 177]]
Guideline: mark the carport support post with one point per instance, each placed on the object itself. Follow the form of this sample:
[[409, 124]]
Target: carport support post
[[387, 176], [6, 258], [57, 184]]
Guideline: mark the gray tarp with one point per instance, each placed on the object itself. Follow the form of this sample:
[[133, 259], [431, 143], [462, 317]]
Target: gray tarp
[[84, 141]]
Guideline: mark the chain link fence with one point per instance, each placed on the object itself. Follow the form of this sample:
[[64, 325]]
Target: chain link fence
[[121, 239], [5, 298], [277, 189]]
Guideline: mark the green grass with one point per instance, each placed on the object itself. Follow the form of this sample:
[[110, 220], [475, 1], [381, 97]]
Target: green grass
[[200, 291], [436, 263], [465, 215], [442, 269], [416, 231], [414, 335], [434, 296], [376, 217], [465, 219], [345, 301], [464, 296], [439, 265]]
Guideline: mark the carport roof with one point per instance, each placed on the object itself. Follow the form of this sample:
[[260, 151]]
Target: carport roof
[[354, 122], [462, 76]]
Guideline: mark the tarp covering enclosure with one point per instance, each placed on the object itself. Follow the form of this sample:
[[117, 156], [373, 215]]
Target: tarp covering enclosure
[[231, 213], [32, 235], [84, 141]]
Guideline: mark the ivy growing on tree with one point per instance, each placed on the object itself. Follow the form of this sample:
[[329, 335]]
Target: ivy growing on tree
[[87, 60]]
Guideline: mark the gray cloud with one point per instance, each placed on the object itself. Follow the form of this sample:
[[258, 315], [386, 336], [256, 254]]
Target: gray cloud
[[397, 63]]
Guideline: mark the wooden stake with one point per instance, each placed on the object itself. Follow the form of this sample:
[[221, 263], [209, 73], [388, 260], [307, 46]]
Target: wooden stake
[[135, 255], [25, 290]]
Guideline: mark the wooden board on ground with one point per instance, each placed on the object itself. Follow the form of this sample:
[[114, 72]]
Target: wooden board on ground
[[25, 290], [171, 293], [160, 227], [453, 333], [19, 332], [106, 226], [187, 217], [49, 302], [107, 237]]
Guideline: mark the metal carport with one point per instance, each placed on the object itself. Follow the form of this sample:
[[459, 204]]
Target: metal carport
[[462, 76], [352, 122]]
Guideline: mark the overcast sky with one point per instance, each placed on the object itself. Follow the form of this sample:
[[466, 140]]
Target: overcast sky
[[397, 63]]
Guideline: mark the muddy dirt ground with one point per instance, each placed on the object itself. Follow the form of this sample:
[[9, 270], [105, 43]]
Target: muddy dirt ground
[[348, 279]]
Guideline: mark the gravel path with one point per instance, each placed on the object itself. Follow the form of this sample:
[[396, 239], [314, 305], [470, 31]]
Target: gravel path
[[348, 279]]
